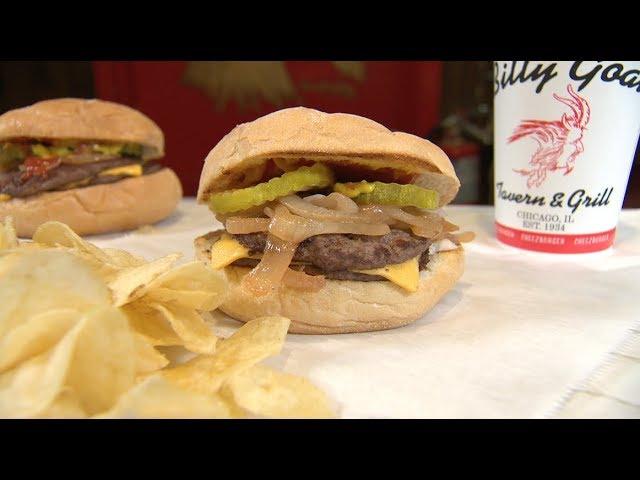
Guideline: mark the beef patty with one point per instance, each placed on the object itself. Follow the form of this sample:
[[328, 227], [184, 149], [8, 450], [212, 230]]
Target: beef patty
[[390, 246], [11, 183], [312, 270], [338, 252]]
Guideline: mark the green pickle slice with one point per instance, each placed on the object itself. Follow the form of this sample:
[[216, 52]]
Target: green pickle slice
[[106, 149], [43, 151], [389, 194], [304, 178]]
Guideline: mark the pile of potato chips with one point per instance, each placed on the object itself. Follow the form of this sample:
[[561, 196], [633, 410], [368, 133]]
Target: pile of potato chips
[[82, 329]]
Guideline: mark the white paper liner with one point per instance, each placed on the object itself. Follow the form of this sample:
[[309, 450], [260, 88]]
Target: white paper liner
[[515, 338]]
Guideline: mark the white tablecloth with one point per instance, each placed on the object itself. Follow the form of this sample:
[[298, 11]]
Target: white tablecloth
[[522, 335]]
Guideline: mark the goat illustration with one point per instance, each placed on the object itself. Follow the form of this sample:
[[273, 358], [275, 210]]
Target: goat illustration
[[559, 141]]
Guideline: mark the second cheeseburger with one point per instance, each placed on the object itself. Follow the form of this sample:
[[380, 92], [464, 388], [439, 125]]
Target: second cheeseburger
[[87, 163], [331, 220]]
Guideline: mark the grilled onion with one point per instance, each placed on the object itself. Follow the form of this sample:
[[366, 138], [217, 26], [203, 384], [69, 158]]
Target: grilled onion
[[266, 277], [450, 227], [309, 210], [428, 224], [294, 228], [240, 225], [300, 219], [462, 237], [334, 201]]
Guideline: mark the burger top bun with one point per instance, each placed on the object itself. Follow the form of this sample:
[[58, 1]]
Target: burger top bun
[[239, 159], [81, 119]]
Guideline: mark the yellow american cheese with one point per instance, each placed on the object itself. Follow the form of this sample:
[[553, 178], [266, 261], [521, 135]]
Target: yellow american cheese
[[226, 251], [131, 170], [4, 197], [405, 275]]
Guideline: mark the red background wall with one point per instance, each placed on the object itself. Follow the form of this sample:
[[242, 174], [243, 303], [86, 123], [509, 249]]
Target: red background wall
[[400, 95]]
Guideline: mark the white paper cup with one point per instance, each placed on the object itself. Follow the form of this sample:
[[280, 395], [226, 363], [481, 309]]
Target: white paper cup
[[565, 136]]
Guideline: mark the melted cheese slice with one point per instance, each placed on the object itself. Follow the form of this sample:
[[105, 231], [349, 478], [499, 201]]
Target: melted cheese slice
[[226, 251], [4, 197], [405, 275], [130, 170]]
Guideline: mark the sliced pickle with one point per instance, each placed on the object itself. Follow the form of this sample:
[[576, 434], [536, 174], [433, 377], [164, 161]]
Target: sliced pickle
[[60, 151], [42, 151], [304, 178], [132, 150], [108, 149], [389, 194]]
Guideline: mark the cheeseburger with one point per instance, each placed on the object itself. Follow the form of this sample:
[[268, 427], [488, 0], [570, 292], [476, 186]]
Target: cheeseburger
[[331, 220], [87, 163]]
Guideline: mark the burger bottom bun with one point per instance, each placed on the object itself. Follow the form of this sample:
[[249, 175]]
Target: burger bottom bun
[[344, 306], [112, 207]]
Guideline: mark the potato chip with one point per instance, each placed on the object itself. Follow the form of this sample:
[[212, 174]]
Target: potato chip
[[35, 335], [151, 324], [194, 332], [104, 361], [106, 271], [196, 300], [37, 281], [155, 397], [66, 405], [268, 393], [235, 410], [189, 276], [250, 344], [132, 283], [213, 317], [57, 233], [33, 386], [192, 285], [122, 258], [79, 326], [8, 237], [148, 359]]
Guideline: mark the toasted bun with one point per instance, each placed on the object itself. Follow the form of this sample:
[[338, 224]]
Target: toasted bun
[[112, 207], [80, 119], [344, 306], [295, 133]]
